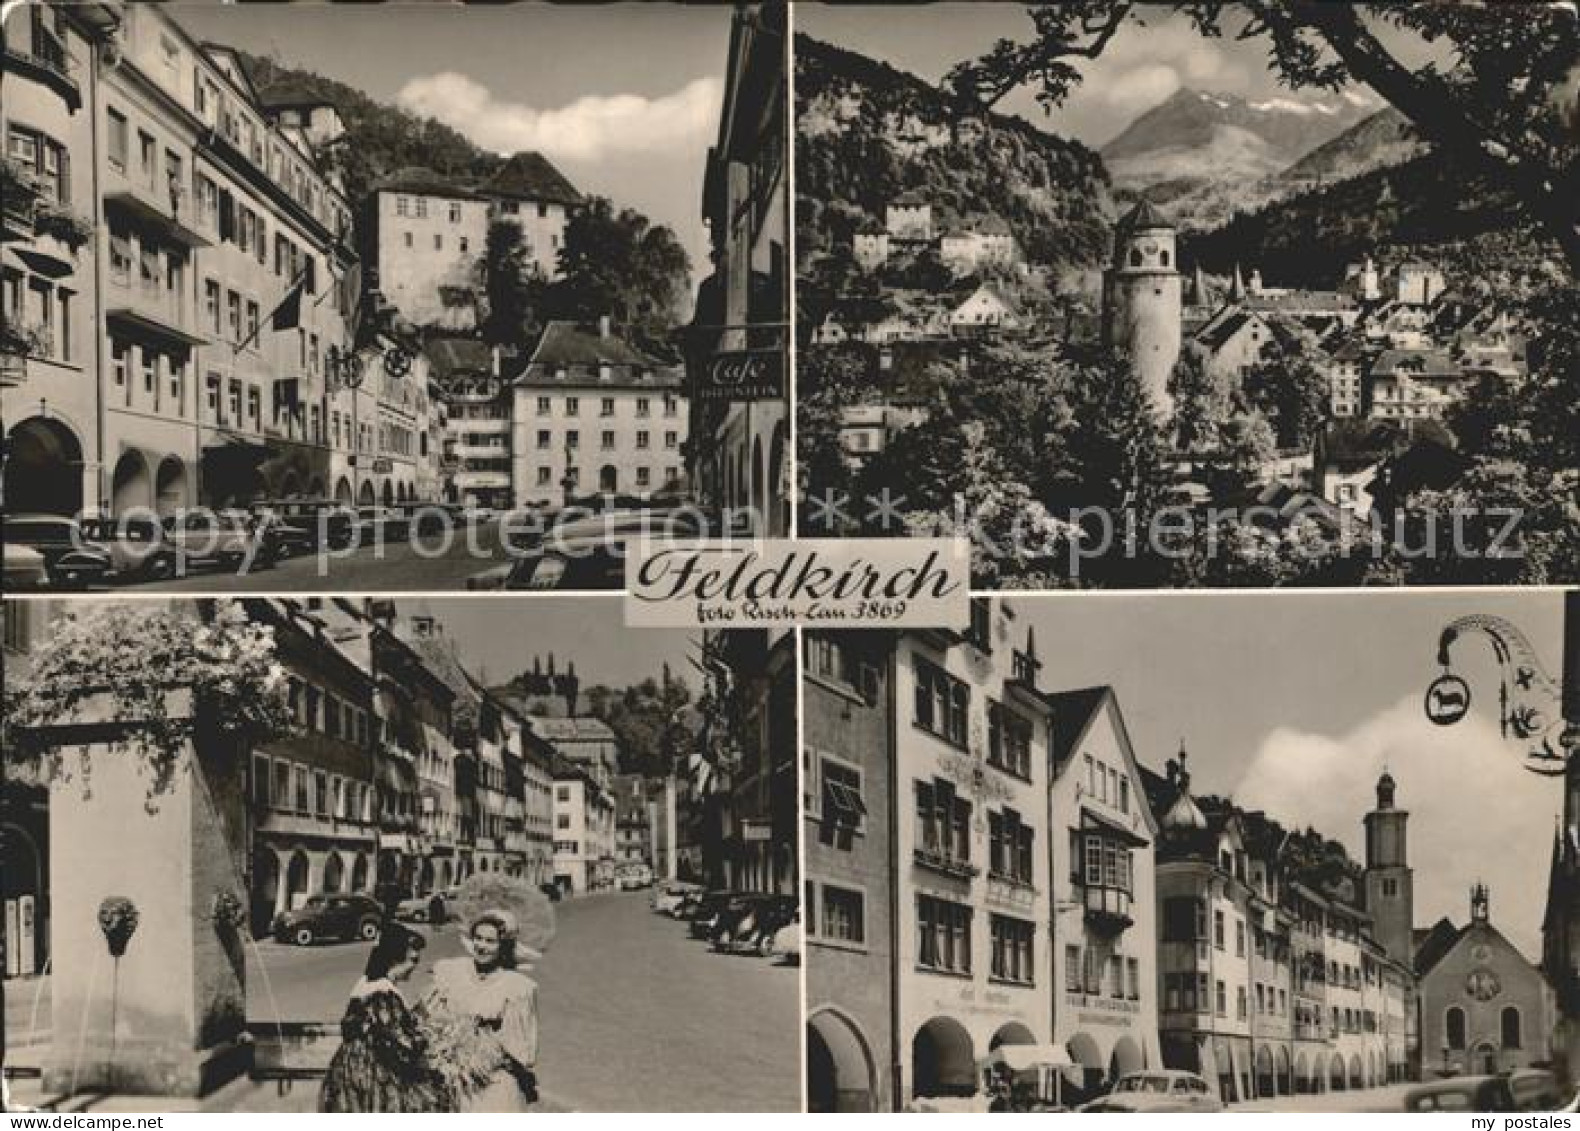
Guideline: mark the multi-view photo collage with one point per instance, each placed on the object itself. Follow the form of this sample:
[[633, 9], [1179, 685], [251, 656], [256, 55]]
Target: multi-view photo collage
[[1234, 348]]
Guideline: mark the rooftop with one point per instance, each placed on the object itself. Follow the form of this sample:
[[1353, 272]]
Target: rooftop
[[566, 348], [582, 728], [421, 181], [530, 176]]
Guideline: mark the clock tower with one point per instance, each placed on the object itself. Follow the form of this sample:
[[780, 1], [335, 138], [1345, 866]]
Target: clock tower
[[1390, 883]]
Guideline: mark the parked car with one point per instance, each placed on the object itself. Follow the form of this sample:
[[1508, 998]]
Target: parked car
[[138, 548], [71, 559], [1163, 1090], [415, 909], [1535, 1089], [282, 537], [709, 909], [222, 539], [330, 916], [1462, 1093], [24, 568], [329, 524], [382, 524], [588, 552], [551, 890], [668, 899]]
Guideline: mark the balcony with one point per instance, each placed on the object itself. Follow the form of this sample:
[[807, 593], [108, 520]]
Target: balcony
[[45, 61], [20, 195], [151, 310], [165, 208], [1106, 909], [946, 864]]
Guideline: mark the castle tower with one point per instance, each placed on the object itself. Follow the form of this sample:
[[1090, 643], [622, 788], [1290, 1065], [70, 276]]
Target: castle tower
[[1143, 300], [1390, 884]]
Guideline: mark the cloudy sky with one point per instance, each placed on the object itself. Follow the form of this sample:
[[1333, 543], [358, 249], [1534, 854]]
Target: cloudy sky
[[623, 98], [1140, 67], [1294, 703]]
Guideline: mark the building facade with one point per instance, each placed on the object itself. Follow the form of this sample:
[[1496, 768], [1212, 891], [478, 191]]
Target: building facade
[[593, 414], [1143, 300], [847, 908], [739, 458]]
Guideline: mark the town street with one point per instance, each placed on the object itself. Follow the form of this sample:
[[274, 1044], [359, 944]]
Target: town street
[[1388, 1098], [634, 1014], [424, 564]]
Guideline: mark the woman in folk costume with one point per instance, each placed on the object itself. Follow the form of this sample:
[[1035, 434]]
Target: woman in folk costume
[[489, 1011], [382, 1064]]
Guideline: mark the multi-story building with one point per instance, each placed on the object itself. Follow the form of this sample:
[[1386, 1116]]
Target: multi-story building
[[1410, 384], [428, 234], [584, 830], [415, 704], [537, 795], [49, 302], [594, 414], [584, 741], [476, 443], [737, 354], [1100, 835], [311, 795], [847, 910], [972, 831], [633, 839]]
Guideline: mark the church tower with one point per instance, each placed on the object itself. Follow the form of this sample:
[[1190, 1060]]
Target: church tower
[[1143, 300], [1390, 885]]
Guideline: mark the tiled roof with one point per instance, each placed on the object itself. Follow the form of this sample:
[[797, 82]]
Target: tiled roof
[[1072, 713], [530, 176], [1426, 362], [567, 348], [420, 181], [1144, 215], [1301, 300]]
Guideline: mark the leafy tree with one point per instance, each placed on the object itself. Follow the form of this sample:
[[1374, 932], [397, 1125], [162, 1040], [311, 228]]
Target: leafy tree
[[511, 285], [1203, 400], [1292, 393], [622, 265], [1505, 110], [830, 379]]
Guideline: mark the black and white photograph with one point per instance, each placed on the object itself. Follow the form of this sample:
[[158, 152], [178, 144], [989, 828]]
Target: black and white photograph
[[1193, 295], [355, 854], [1147, 853], [474, 305]]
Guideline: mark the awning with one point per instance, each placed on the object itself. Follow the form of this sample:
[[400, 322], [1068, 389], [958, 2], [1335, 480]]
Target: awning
[[1096, 822], [235, 443]]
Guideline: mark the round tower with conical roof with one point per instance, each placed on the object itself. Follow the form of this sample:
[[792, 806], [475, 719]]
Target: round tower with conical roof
[[1143, 300], [1390, 883]]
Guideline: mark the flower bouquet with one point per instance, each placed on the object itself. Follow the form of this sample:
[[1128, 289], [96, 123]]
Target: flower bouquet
[[461, 1052]]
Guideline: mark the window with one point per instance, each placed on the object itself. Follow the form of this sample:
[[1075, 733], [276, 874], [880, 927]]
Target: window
[[118, 139], [1239, 938], [843, 804], [942, 703], [643, 406], [573, 406], [466, 245], [455, 213], [1222, 996], [671, 404], [1072, 968], [1218, 929], [671, 440], [150, 368], [1010, 847], [606, 441], [644, 477], [943, 935], [438, 242], [118, 361], [943, 822], [252, 319], [1012, 949], [1239, 1003], [606, 407], [545, 406], [1133, 979], [843, 915], [407, 239], [1510, 1027], [573, 439], [545, 477], [1454, 1027], [233, 315], [1009, 741]]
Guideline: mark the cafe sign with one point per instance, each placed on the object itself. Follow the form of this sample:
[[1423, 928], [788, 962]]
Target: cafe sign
[[743, 375]]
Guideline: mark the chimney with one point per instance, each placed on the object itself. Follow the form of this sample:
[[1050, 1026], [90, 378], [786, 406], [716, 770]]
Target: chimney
[[603, 327]]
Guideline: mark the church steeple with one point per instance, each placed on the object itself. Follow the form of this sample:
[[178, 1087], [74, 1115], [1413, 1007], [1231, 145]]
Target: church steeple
[[1390, 883], [1480, 904]]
